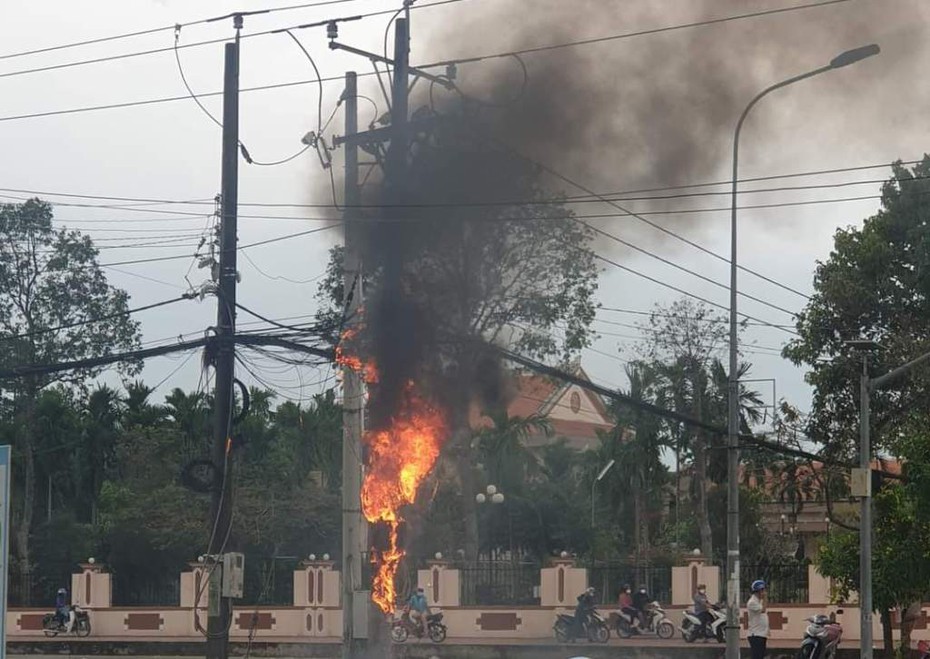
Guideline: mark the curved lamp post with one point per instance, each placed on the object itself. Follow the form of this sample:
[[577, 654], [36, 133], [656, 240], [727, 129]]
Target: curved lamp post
[[733, 626]]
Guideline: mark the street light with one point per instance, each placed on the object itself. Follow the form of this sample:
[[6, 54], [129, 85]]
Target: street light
[[597, 479], [844, 59]]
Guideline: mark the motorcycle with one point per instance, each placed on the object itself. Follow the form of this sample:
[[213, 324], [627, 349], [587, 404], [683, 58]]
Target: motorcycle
[[403, 627], [52, 625], [627, 623], [821, 638], [924, 649], [715, 629], [594, 628]]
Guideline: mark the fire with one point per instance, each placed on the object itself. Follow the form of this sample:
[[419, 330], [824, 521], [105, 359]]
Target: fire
[[399, 459], [368, 370]]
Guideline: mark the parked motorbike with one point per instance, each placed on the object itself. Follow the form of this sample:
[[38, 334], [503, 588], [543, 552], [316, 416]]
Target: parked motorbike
[[52, 626], [628, 624], [715, 629], [924, 649], [595, 628], [403, 627], [821, 638]]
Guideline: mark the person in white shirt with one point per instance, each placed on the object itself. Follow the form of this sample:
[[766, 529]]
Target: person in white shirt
[[758, 620]]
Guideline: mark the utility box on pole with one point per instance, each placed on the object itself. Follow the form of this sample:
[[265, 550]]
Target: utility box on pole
[[233, 575], [860, 482]]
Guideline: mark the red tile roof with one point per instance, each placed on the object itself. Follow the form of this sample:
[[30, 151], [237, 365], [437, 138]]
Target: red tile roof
[[535, 395]]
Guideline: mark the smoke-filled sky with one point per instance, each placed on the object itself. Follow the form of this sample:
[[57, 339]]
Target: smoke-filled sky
[[647, 111]]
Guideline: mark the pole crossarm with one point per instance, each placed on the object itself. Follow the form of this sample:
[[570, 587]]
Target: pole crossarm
[[374, 57]]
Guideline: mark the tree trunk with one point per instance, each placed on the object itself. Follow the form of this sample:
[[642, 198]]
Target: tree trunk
[[700, 487], [25, 435], [700, 473], [463, 458], [908, 617], [887, 633], [639, 541]]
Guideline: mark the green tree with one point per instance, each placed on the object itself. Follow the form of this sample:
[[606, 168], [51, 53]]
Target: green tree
[[900, 566], [683, 348], [874, 285], [636, 442], [502, 449], [55, 305]]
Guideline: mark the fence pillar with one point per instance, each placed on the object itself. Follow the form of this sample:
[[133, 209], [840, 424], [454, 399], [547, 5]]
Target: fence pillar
[[316, 583], [441, 583], [194, 586], [686, 578], [92, 587], [562, 583], [819, 587]]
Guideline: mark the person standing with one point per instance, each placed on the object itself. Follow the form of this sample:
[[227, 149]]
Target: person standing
[[758, 620]]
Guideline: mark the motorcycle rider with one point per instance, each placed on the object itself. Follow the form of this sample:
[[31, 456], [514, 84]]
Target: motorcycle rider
[[584, 608], [641, 603], [63, 612], [626, 602], [702, 608], [419, 609], [758, 620]]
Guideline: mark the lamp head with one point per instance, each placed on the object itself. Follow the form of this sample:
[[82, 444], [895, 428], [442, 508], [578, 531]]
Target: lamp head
[[854, 55]]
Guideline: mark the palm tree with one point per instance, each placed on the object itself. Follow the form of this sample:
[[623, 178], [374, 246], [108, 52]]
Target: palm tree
[[701, 391], [636, 443], [502, 448], [138, 410]]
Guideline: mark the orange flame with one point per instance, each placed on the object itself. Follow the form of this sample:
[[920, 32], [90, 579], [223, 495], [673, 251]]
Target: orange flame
[[368, 371], [399, 459]]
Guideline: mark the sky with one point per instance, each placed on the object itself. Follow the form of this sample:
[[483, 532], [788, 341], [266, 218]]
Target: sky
[[646, 111]]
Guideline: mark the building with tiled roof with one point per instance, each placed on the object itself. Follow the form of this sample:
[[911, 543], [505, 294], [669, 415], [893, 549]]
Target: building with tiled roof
[[575, 414]]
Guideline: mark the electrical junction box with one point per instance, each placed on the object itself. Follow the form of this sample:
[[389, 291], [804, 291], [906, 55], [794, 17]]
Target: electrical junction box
[[233, 582], [860, 482]]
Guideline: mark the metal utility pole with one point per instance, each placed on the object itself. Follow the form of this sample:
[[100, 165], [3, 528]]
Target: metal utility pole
[[353, 403], [862, 485], [865, 516], [219, 608]]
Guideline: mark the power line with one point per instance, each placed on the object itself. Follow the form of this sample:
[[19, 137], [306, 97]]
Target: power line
[[208, 42], [169, 99], [180, 216], [98, 319], [568, 199], [629, 35], [678, 266], [663, 314], [159, 259], [639, 216], [688, 294], [155, 30]]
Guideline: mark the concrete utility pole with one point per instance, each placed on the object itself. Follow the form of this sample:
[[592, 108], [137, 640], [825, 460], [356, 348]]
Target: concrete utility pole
[[862, 484], [395, 164], [353, 403], [219, 609]]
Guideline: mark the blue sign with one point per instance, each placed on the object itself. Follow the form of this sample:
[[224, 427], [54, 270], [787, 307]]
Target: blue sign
[[4, 541]]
